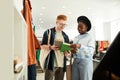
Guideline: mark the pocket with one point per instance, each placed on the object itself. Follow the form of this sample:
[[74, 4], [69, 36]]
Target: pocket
[[76, 61]]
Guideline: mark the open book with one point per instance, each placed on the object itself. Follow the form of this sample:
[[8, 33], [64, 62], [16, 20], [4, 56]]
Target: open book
[[63, 46], [58, 43]]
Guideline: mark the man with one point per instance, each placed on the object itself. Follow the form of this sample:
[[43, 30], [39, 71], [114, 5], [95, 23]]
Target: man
[[56, 60]]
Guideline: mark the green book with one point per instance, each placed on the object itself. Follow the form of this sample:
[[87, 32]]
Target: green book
[[65, 47]]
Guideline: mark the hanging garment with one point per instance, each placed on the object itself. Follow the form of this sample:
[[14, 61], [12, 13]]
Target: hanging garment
[[33, 43]]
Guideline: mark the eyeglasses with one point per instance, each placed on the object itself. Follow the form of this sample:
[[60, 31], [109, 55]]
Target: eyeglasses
[[61, 24]]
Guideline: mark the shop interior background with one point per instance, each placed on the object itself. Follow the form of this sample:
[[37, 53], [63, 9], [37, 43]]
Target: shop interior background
[[104, 15]]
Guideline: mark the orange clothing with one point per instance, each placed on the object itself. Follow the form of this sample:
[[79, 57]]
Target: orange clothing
[[33, 43]]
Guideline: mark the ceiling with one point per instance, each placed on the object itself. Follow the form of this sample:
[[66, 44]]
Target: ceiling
[[45, 11]]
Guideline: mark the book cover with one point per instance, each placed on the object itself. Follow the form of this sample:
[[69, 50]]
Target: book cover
[[65, 47], [58, 43]]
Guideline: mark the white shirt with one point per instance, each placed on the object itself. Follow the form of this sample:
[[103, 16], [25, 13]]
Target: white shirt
[[59, 56]]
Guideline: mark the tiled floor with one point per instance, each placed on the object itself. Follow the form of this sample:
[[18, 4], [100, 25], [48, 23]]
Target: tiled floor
[[40, 76]]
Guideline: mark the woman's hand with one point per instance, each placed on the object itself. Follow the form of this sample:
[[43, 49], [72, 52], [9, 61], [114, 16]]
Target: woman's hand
[[74, 48]]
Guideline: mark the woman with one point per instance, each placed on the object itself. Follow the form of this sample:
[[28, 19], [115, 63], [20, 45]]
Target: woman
[[83, 48]]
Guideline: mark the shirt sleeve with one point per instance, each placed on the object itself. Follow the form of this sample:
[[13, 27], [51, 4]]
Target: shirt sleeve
[[87, 49], [75, 41]]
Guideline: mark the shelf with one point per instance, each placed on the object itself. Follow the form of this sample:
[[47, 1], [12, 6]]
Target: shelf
[[13, 40], [20, 76], [20, 43]]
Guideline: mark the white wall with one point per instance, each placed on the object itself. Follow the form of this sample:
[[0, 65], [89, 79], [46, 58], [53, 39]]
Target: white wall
[[111, 29], [115, 28], [99, 29], [107, 31], [6, 39], [18, 4]]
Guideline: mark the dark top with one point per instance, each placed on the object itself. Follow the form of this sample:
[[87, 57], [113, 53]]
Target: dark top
[[49, 64]]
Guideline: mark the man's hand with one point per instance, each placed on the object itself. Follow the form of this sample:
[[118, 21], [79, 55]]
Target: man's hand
[[67, 53], [53, 47]]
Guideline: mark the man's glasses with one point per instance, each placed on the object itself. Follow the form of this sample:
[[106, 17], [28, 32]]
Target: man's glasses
[[61, 24]]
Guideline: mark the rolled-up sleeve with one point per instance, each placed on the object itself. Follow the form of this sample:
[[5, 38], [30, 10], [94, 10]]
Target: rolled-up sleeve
[[87, 46], [87, 49]]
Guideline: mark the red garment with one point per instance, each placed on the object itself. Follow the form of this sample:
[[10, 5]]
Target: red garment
[[33, 43], [101, 46]]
